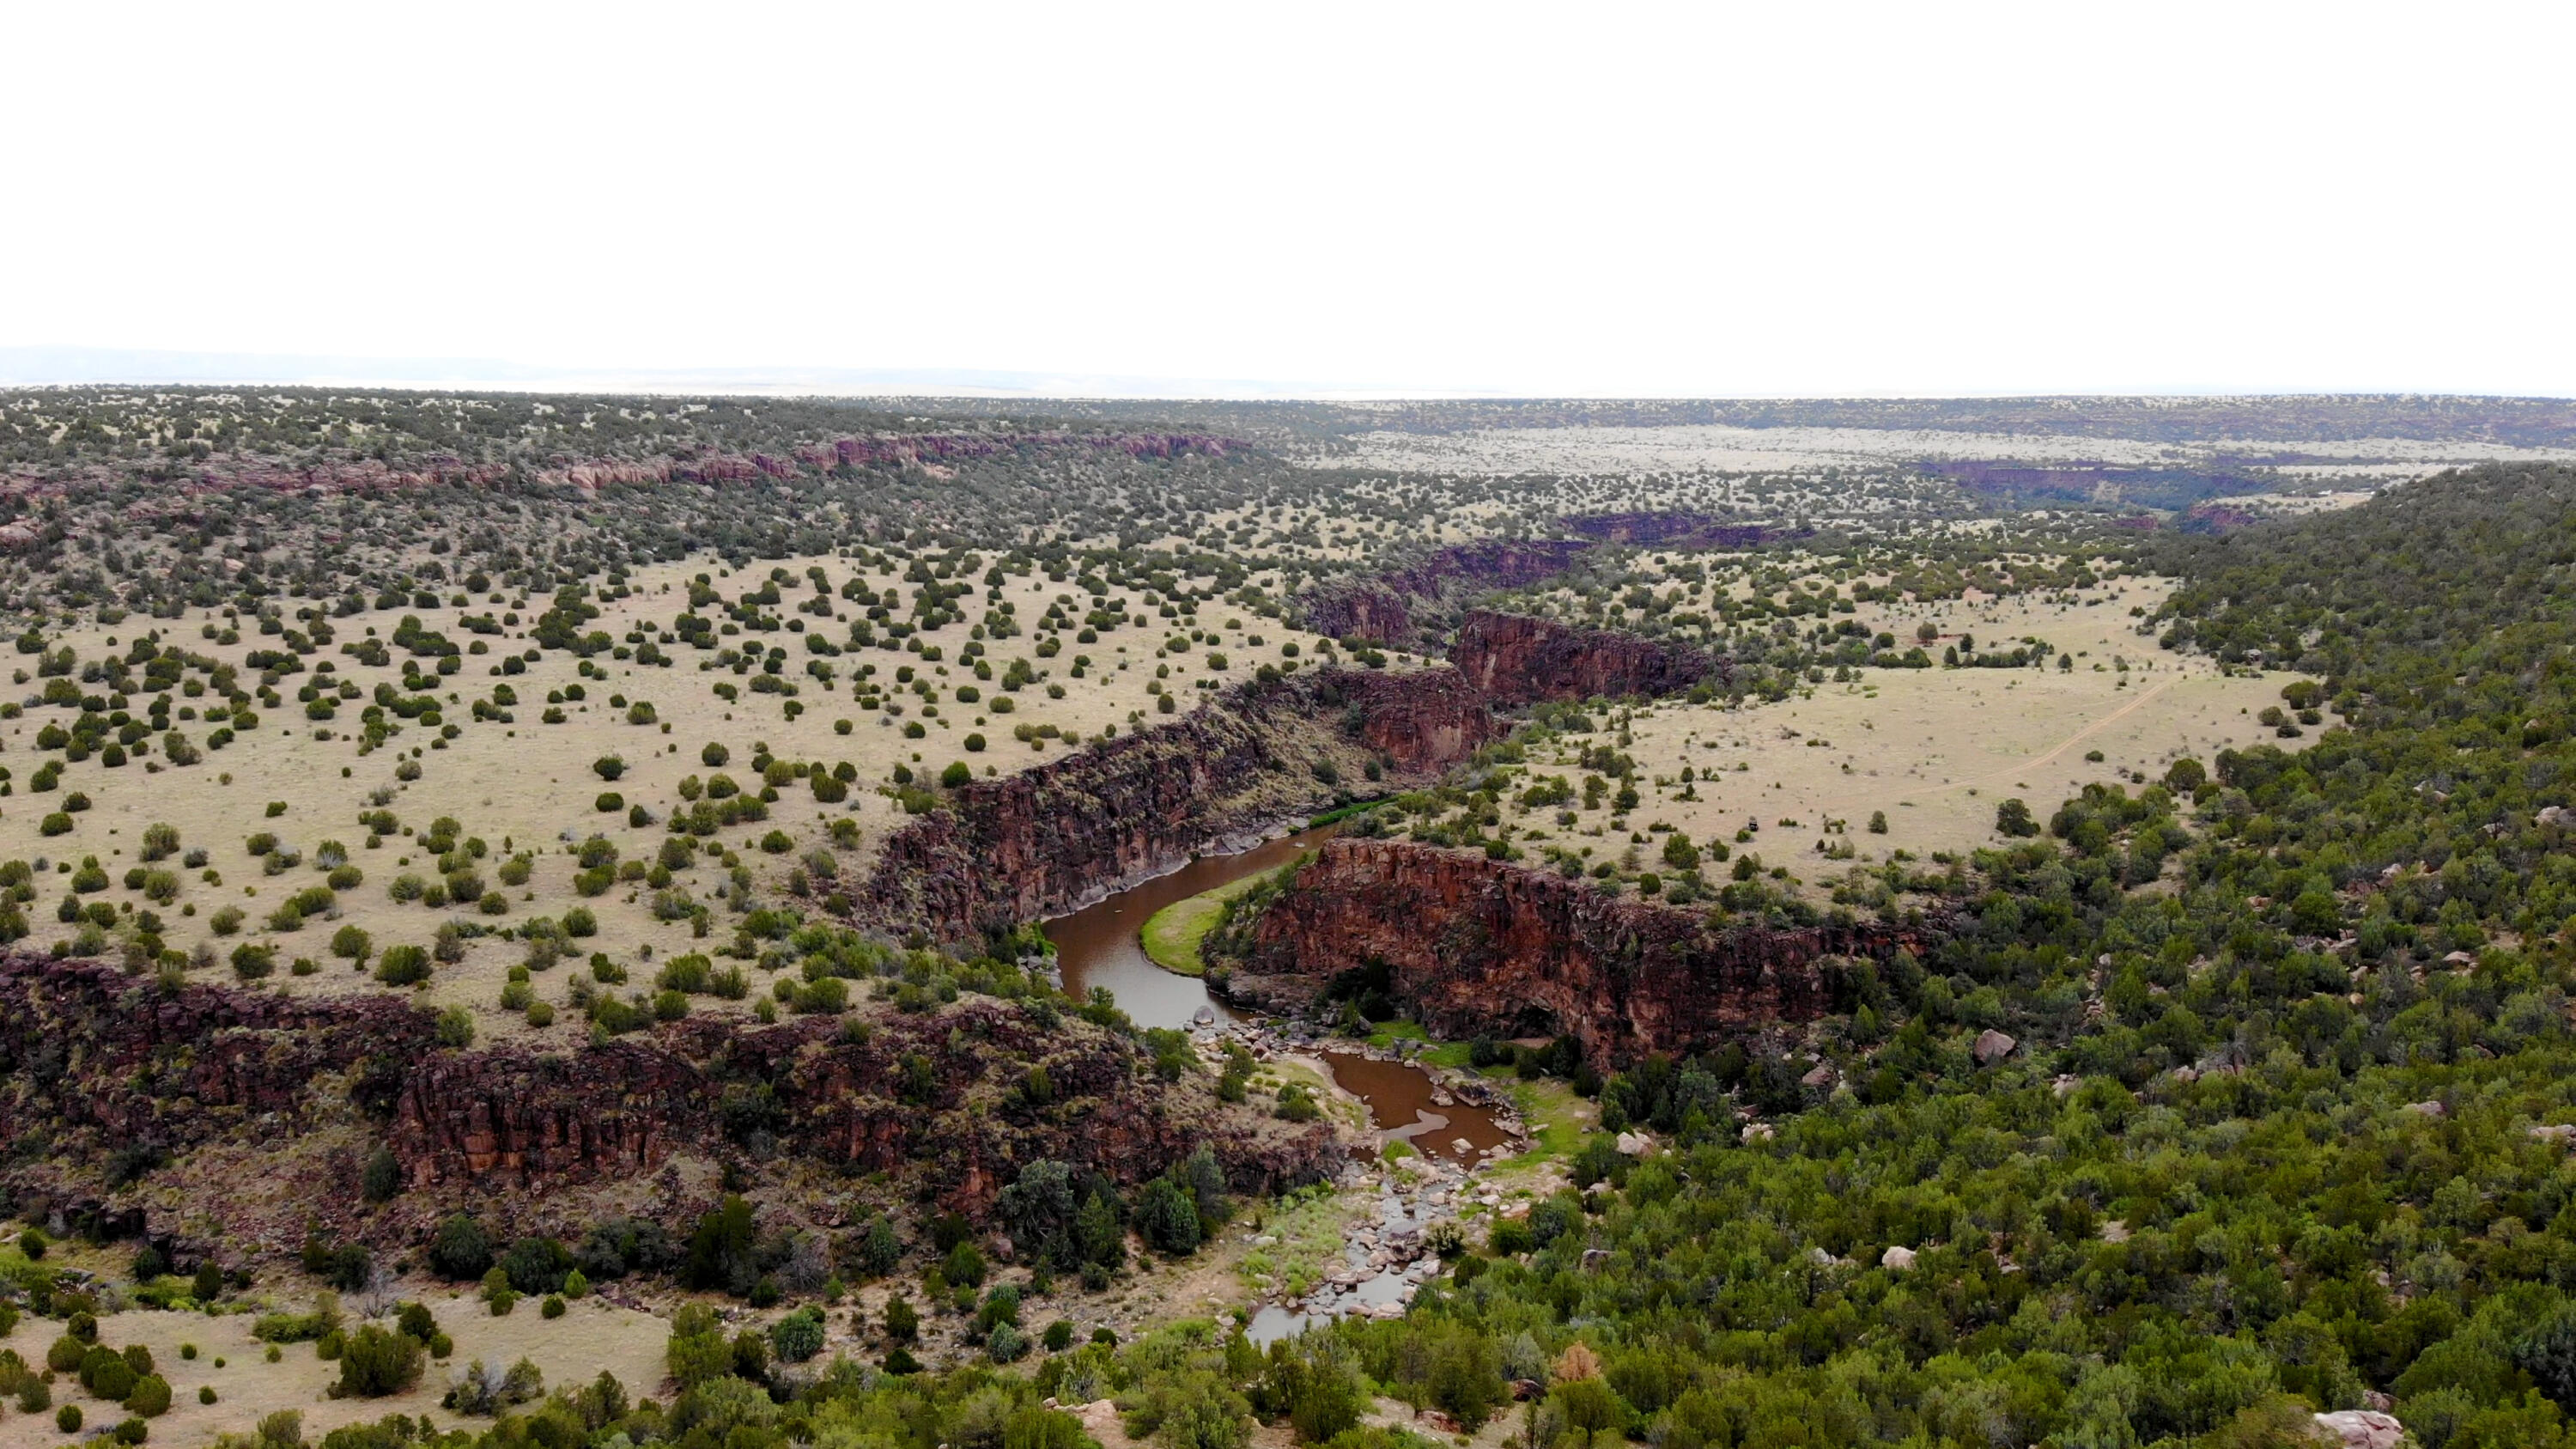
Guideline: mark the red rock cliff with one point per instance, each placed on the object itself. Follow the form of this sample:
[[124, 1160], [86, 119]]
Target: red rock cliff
[[533, 1136], [514, 1119], [1045, 840], [1484, 948], [1517, 659]]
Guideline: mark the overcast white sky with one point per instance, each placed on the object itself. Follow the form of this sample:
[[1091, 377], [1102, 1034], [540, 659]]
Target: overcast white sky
[[1577, 198]]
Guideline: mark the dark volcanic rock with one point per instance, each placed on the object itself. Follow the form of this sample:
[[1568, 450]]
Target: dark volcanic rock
[[88, 1050], [1516, 659], [1484, 948], [518, 1119], [1043, 841], [93, 1062], [1384, 608], [530, 1118]]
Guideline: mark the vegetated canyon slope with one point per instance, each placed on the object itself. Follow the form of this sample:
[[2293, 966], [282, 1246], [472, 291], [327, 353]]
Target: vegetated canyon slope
[[1408, 605]]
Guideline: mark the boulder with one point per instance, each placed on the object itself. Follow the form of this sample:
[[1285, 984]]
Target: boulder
[[1897, 1260], [2362, 1429], [1992, 1046]]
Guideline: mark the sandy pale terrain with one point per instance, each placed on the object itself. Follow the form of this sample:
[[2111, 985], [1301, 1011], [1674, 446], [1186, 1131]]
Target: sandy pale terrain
[[1935, 749], [571, 1350]]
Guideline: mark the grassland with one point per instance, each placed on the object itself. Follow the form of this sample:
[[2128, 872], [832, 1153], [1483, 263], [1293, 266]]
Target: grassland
[[1172, 934], [514, 762]]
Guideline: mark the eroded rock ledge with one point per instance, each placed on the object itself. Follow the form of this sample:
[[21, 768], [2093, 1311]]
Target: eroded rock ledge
[[1476, 947]]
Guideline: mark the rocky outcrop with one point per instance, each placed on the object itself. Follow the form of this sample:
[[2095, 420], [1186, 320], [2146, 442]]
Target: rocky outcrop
[[1517, 659], [1386, 608], [1046, 840], [529, 1119], [120, 1077], [92, 1056], [1475, 947], [930, 1096]]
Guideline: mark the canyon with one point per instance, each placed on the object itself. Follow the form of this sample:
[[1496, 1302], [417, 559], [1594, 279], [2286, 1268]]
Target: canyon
[[1045, 840]]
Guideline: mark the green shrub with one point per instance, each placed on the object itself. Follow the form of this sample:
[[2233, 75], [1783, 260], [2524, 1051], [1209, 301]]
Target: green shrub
[[150, 1397], [403, 966], [460, 1252], [375, 1362]]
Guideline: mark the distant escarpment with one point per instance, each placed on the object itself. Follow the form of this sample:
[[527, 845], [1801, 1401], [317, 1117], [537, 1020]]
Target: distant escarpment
[[1046, 840], [1678, 527], [1476, 947], [1392, 607], [1518, 659], [267, 1106]]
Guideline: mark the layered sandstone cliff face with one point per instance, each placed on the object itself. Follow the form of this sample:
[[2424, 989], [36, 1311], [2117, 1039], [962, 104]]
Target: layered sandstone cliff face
[[1476, 947], [1387, 608], [1047, 840], [1517, 659]]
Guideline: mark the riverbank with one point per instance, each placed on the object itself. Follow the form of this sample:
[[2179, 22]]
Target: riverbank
[[1172, 935]]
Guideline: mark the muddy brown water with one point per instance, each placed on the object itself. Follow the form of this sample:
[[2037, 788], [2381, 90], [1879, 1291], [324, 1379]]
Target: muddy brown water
[[1403, 1108], [1101, 945]]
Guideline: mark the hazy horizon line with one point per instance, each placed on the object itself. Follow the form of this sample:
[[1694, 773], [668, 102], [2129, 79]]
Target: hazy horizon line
[[72, 365]]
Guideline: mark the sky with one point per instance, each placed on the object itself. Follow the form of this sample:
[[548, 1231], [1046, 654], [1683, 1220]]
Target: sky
[[1595, 199]]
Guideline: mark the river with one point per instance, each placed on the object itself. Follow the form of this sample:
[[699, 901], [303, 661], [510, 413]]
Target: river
[[1102, 945]]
